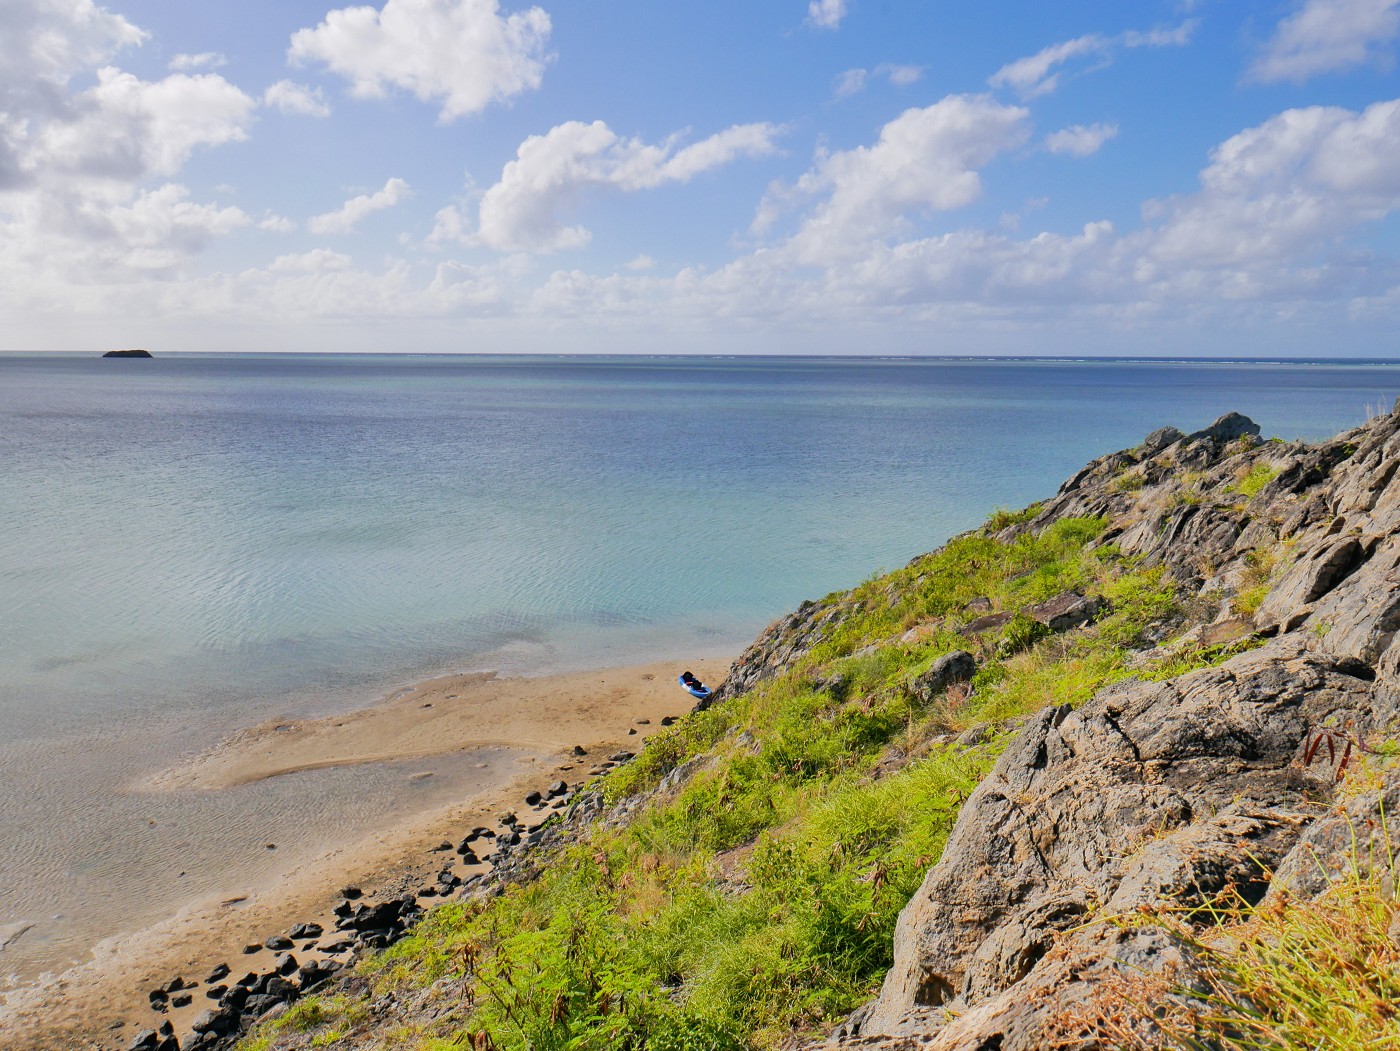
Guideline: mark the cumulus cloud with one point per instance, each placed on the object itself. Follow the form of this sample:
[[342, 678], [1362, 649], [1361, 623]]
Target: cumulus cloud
[[1286, 189], [826, 14], [293, 98], [50, 40], [1323, 36], [1039, 74], [125, 127], [77, 165], [925, 160], [1080, 140], [204, 60], [551, 171], [464, 54], [345, 218]]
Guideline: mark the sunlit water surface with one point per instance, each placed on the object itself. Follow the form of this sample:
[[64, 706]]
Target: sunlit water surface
[[196, 543]]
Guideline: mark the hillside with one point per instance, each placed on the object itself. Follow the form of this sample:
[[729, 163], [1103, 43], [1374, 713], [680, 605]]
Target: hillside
[[1111, 771]]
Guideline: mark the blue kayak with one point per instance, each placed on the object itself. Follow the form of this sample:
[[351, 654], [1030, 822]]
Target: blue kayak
[[695, 687]]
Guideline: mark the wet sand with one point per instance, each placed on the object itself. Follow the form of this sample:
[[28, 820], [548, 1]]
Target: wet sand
[[102, 1003]]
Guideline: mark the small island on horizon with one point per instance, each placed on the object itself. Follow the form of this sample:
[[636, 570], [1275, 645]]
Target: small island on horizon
[[135, 353]]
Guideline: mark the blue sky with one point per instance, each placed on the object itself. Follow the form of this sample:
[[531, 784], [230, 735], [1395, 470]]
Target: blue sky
[[832, 176]]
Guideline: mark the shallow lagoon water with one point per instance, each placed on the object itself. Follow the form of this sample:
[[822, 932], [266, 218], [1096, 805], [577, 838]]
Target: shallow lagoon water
[[196, 543]]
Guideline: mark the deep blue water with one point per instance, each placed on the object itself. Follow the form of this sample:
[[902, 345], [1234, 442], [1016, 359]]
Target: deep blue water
[[220, 538]]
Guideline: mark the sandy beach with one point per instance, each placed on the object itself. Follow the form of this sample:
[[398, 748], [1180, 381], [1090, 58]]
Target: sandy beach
[[528, 727]]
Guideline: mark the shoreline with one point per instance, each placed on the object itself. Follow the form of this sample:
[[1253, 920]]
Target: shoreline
[[102, 1002]]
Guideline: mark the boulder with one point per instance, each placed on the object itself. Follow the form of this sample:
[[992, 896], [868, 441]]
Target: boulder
[[1065, 611], [1149, 791], [958, 666]]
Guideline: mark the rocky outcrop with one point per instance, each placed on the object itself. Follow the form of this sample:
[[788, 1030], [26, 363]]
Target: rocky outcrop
[[136, 353], [1220, 780]]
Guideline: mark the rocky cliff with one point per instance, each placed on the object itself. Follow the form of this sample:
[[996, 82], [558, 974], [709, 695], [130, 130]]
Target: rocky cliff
[[1222, 780]]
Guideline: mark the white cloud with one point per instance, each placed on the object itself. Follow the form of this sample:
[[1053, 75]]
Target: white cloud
[[291, 97], [854, 81], [125, 127], [276, 224], [344, 219], [50, 40], [463, 53], [925, 160], [826, 14], [316, 261], [204, 60], [1286, 190], [78, 207], [551, 171], [851, 82], [902, 76], [1327, 35], [1032, 76], [1080, 140], [641, 263]]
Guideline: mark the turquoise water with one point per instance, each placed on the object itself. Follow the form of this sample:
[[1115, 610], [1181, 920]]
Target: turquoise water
[[194, 543]]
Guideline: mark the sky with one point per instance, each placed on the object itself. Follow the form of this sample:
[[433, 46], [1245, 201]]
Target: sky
[[1169, 177]]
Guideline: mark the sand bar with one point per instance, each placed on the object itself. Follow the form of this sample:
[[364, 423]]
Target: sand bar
[[102, 1003]]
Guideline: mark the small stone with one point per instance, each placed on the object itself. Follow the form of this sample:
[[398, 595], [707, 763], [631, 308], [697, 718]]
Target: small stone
[[278, 942], [643, 722], [580, 750], [668, 720], [631, 732], [218, 972], [143, 1041], [285, 964], [558, 788], [181, 1000], [533, 799], [216, 992], [350, 892], [441, 847], [250, 948]]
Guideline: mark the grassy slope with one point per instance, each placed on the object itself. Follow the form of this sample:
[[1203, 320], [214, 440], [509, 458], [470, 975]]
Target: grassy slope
[[761, 897]]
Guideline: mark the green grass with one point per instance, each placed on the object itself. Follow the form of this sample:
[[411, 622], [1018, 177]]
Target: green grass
[[1252, 481], [759, 898]]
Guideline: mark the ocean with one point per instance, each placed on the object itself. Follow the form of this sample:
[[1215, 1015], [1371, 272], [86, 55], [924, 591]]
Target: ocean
[[193, 544]]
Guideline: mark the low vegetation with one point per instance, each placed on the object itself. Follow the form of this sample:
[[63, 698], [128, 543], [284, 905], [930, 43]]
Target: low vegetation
[[759, 896]]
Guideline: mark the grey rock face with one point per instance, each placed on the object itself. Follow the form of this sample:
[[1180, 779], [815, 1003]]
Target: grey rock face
[[1180, 789]]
